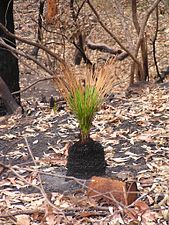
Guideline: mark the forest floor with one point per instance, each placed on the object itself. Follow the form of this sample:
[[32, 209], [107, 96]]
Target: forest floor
[[132, 127], [133, 131]]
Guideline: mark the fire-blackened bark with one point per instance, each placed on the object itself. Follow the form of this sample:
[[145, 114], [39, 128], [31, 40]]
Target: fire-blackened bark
[[8, 102], [86, 160], [9, 70], [40, 31]]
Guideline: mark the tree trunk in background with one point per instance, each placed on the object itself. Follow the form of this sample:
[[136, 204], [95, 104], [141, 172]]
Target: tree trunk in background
[[9, 70], [40, 30], [78, 53], [8, 101], [52, 11]]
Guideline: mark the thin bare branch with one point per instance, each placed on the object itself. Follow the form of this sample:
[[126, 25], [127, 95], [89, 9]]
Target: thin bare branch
[[102, 47], [125, 24], [105, 48], [31, 85], [143, 25], [30, 57], [40, 180], [143, 43], [26, 41], [154, 46], [111, 34], [134, 15]]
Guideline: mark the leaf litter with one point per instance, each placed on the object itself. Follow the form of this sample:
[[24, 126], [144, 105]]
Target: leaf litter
[[136, 144], [134, 133]]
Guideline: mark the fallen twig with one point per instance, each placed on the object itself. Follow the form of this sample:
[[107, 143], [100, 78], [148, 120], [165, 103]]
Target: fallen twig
[[31, 85]]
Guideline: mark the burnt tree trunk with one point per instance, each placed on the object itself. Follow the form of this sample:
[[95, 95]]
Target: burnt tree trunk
[[8, 101], [9, 70], [78, 52], [40, 23], [140, 75]]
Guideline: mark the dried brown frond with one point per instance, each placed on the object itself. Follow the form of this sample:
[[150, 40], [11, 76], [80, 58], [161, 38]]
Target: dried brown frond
[[102, 79], [105, 78]]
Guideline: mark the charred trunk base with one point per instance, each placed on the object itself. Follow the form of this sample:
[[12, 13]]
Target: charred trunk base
[[3, 110], [86, 160]]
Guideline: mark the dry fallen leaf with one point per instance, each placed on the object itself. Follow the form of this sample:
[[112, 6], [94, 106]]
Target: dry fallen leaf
[[49, 215], [23, 219], [112, 191], [142, 206]]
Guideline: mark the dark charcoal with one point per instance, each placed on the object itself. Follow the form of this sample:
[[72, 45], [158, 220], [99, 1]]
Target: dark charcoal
[[3, 110], [86, 160]]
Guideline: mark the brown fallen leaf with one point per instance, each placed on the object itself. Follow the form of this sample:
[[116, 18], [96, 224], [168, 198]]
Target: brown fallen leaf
[[145, 137], [49, 212], [12, 180], [132, 192], [54, 159], [89, 214], [23, 219], [38, 216], [112, 191], [140, 207]]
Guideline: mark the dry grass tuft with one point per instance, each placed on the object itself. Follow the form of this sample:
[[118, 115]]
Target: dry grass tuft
[[102, 80]]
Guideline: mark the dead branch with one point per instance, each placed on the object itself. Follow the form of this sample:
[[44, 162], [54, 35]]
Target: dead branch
[[22, 212], [40, 181], [39, 32], [102, 47], [141, 32], [13, 170], [80, 8], [30, 57], [143, 43], [17, 52], [35, 44], [79, 52], [82, 53], [122, 56], [69, 212], [31, 85], [112, 34], [143, 25], [140, 36], [105, 48], [124, 23], [135, 16], [160, 79]]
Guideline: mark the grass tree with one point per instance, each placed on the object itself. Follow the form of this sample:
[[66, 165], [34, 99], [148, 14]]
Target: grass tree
[[84, 95]]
